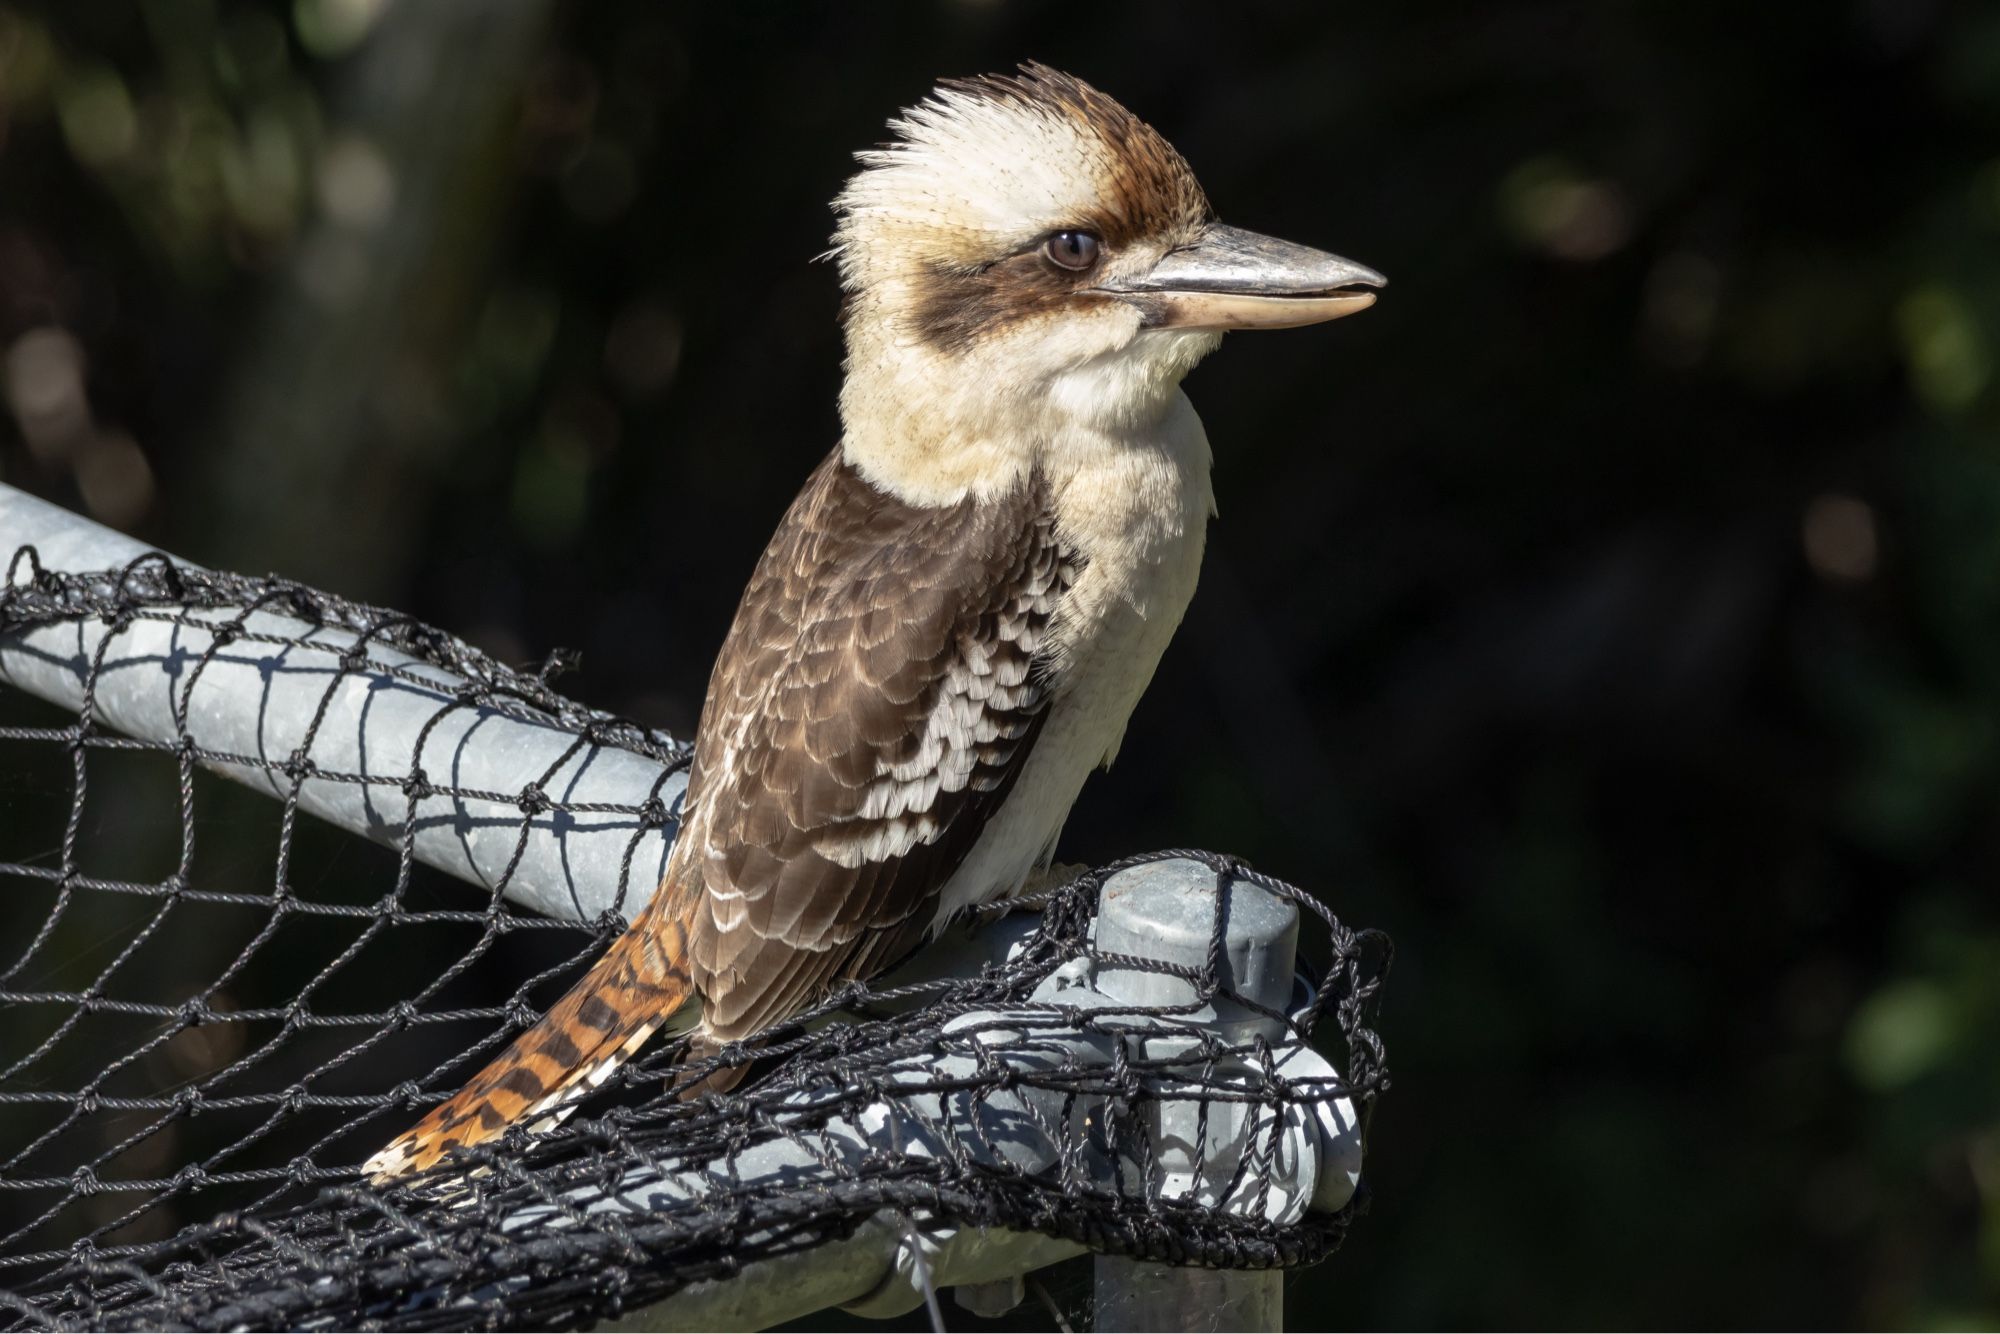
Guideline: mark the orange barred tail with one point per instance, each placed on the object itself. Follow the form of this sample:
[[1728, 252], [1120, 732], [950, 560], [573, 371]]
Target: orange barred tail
[[636, 987]]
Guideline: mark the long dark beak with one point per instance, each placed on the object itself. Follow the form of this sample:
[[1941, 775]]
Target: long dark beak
[[1233, 279]]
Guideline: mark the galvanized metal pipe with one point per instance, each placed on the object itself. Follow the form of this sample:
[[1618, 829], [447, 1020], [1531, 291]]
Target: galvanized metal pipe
[[259, 701]]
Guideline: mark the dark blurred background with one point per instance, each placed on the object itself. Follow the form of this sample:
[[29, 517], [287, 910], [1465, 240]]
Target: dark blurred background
[[1612, 614]]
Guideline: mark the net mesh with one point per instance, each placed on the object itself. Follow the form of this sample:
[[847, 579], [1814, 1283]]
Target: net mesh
[[216, 1010]]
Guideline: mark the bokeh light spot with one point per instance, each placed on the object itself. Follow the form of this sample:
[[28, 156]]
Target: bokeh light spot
[[357, 186], [115, 479], [44, 383], [1839, 536], [1949, 362], [1899, 1034], [27, 63], [330, 28], [97, 117], [1550, 206]]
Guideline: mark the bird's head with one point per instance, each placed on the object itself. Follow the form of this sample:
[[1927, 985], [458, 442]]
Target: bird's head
[[1028, 253]]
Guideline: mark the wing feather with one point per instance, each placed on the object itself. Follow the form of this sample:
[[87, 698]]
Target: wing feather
[[877, 696]]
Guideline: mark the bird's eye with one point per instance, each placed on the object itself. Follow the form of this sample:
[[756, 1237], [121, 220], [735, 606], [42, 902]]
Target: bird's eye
[[1071, 250]]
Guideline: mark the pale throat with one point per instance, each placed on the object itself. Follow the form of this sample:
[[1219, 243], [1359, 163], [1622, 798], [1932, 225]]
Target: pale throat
[[932, 427]]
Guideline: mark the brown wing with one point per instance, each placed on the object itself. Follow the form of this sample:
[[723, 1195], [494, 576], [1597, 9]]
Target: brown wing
[[871, 708]]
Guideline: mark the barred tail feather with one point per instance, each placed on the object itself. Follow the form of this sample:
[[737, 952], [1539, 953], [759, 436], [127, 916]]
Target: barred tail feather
[[634, 989]]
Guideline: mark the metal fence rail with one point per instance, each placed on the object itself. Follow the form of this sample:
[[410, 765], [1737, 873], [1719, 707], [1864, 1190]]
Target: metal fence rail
[[262, 691]]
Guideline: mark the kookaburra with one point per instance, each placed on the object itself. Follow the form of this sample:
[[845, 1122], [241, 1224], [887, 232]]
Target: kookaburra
[[953, 622]]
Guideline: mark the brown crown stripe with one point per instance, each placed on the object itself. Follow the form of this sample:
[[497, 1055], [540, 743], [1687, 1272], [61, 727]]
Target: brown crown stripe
[[1148, 194], [1151, 191]]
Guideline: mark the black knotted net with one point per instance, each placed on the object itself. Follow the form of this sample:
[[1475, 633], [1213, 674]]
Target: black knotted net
[[215, 1010]]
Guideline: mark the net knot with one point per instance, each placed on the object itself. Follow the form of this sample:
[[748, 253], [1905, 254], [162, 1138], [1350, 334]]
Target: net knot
[[407, 1093], [298, 766], [559, 662], [533, 801], [304, 605], [83, 1181], [190, 1176], [418, 785], [159, 565], [355, 658], [653, 815], [194, 1011]]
